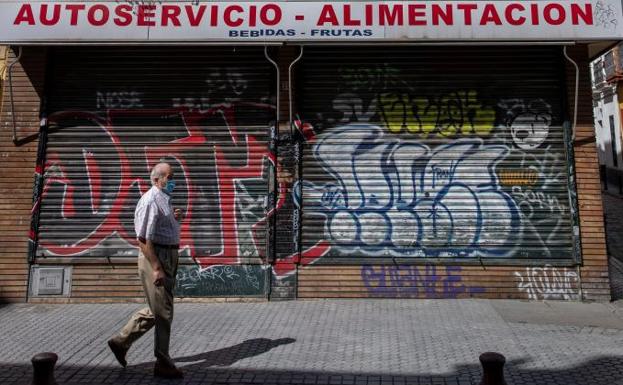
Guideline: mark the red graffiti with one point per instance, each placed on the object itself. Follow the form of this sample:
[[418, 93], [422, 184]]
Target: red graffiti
[[178, 149], [113, 216], [111, 222]]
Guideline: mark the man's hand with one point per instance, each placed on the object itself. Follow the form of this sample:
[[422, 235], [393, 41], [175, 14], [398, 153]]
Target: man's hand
[[177, 213], [159, 277]]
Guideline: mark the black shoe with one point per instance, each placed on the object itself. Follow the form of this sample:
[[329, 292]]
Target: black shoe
[[119, 352], [167, 371]]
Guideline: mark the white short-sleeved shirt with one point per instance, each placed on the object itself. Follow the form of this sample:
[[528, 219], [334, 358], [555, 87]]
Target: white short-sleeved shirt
[[154, 218]]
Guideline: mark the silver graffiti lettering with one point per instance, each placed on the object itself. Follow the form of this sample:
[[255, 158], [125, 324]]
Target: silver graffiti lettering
[[548, 283], [109, 100], [416, 203]]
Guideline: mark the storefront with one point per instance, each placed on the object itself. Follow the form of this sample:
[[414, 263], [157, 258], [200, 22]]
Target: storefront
[[382, 149]]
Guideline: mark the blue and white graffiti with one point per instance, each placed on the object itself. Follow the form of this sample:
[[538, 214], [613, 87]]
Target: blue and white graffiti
[[395, 196]]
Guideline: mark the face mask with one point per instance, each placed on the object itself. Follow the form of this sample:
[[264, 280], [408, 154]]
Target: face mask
[[168, 189]]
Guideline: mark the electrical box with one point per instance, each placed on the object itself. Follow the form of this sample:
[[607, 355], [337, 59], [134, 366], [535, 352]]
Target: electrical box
[[50, 281]]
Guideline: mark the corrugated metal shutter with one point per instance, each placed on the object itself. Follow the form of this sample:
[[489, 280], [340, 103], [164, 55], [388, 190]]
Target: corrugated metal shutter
[[434, 154], [115, 112]]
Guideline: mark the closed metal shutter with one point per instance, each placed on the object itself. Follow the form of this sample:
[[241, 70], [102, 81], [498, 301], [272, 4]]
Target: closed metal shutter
[[435, 154], [115, 112]]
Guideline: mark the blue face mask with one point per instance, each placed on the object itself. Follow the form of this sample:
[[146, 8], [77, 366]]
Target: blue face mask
[[168, 189]]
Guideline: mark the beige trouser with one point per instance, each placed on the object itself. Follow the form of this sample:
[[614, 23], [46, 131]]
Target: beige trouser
[[160, 301]]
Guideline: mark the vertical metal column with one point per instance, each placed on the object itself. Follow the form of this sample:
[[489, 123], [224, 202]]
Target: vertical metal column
[[271, 248], [297, 216]]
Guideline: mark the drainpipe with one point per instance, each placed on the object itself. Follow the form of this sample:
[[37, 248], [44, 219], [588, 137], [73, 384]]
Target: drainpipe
[[290, 88], [12, 100], [575, 98], [277, 69], [573, 131], [271, 248]]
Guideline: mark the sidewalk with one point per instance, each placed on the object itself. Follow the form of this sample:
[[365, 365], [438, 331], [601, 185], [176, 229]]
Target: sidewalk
[[328, 342]]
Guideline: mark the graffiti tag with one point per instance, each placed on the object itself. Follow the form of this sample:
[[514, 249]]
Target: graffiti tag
[[416, 281], [548, 283]]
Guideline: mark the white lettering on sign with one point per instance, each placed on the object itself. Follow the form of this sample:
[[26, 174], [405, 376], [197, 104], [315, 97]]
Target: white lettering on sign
[[211, 21]]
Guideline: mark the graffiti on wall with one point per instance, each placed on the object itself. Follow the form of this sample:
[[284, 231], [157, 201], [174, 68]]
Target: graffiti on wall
[[459, 113], [399, 171], [221, 280], [548, 283], [216, 136], [410, 281], [528, 121], [535, 174], [605, 15], [402, 198], [112, 194], [120, 100], [219, 81], [411, 172]]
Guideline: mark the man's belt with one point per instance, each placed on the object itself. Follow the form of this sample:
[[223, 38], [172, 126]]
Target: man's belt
[[169, 247]]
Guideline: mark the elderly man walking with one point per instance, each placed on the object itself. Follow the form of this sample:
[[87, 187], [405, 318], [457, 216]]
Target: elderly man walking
[[158, 234]]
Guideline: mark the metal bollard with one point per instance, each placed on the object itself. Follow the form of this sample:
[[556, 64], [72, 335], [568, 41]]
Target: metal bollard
[[492, 368], [43, 369]]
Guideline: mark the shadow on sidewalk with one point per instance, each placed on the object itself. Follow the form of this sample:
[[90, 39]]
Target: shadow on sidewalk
[[599, 370], [226, 356]]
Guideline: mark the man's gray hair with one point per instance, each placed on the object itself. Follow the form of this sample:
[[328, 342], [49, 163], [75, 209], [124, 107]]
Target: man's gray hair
[[156, 173]]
